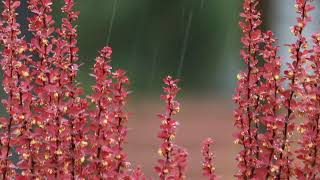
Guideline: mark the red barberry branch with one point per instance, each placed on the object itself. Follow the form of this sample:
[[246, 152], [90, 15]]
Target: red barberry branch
[[166, 167], [14, 74], [100, 115], [271, 119], [295, 74], [247, 94], [119, 117], [208, 169], [180, 158], [45, 146], [65, 57], [310, 129]]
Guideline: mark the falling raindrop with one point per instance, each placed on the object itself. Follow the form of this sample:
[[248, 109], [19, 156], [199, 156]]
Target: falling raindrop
[[154, 65], [114, 11], [202, 4], [184, 45], [183, 13]]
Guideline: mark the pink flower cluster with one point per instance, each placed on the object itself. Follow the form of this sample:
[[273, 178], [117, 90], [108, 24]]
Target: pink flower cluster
[[55, 131], [270, 105], [174, 158], [208, 157], [58, 133]]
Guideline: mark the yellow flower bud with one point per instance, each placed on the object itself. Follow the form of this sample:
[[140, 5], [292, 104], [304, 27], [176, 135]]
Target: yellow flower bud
[[46, 156], [118, 157], [290, 74], [59, 152], [160, 152], [65, 109], [105, 163], [45, 41], [84, 143], [18, 64], [25, 155], [21, 50], [82, 159], [33, 142], [165, 171]]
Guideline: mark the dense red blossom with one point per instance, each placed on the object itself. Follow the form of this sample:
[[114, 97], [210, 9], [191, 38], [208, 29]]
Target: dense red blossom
[[295, 74], [208, 169], [270, 104], [119, 119], [310, 128], [172, 165], [100, 116], [109, 120], [58, 134], [15, 82], [247, 95]]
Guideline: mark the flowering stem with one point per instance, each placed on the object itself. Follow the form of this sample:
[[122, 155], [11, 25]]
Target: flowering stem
[[208, 157], [8, 147], [120, 130], [272, 140], [296, 66], [246, 96], [173, 156]]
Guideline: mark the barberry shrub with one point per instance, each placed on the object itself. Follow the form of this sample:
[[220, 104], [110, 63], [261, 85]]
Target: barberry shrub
[[278, 103], [53, 131]]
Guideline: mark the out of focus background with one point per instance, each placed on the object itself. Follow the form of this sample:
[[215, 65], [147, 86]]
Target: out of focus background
[[196, 41]]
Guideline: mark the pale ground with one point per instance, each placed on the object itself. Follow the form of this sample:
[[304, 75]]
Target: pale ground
[[199, 118]]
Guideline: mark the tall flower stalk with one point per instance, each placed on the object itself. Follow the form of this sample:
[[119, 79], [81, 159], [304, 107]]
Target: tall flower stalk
[[58, 134], [271, 119], [310, 128], [101, 163], [45, 143], [15, 80], [72, 131], [170, 165], [109, 119], [208, 169], [295, 74], [247, 95]]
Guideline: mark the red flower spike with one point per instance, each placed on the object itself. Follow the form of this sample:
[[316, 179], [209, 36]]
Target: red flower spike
[[46, 122], [109, 119], [119, 118], [138, 174], [57, 136], [295, 74], [73, 131], [174, 159], [261, 97], [208, 169], [247, 95], [102, 164], [309, 130], [15, 79], [269, 92]]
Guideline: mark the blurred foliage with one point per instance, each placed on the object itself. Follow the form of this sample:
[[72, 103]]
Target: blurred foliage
[[148, 36]]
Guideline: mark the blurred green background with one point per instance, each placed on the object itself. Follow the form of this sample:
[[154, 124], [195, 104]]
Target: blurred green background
[[197, 39], [194, 40]]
